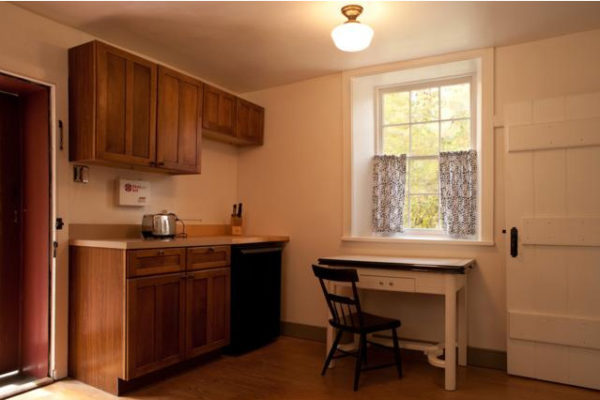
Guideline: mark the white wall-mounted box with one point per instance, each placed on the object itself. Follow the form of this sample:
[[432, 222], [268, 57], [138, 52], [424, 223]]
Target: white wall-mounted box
[[133, 192]]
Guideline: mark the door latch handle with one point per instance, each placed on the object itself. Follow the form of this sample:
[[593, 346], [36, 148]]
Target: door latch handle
[[514, 242]]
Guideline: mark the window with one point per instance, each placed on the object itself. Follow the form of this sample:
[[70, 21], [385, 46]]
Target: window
[[421, 121], [420, 108]]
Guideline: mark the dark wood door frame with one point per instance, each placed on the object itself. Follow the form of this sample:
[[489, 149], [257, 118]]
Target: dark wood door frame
[[34, 217]]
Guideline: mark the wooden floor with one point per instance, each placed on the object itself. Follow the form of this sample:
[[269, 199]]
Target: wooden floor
[[289, 369]]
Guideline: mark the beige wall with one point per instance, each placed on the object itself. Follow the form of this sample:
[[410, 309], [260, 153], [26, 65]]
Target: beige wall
[[35, 47], [293, 186]]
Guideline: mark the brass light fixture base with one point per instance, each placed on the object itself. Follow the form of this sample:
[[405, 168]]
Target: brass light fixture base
[[352, 11]]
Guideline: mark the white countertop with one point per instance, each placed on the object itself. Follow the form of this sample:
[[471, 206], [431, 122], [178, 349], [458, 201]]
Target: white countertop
[[132, 244]]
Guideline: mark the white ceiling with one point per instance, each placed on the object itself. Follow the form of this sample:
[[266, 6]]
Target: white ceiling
[[245, 46]]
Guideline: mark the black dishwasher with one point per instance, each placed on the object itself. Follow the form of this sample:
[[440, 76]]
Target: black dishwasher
[[255, 296]]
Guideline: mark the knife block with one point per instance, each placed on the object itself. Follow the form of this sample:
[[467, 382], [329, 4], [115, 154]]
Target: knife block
[[237, 224]]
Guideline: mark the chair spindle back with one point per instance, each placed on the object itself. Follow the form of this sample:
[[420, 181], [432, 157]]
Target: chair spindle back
[[345, 311]]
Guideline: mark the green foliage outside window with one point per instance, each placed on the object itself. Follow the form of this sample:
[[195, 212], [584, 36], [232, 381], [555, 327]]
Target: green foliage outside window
[[421, 123]]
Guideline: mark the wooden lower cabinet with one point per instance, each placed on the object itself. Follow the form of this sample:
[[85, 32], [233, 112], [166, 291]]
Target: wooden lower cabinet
[[155, 323], [208, 303], [125, 323]]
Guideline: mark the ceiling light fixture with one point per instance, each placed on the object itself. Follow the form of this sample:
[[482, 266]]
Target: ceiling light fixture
[[352, 35]]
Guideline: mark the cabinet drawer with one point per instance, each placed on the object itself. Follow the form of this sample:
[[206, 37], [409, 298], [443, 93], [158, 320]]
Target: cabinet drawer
[[386, 283], [155, 261], [208, 257]]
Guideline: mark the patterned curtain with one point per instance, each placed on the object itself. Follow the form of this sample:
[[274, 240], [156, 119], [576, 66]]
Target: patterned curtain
[[389, 182], [458, 193]]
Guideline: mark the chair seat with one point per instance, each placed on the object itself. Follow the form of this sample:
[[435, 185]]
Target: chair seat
[[371, 323]]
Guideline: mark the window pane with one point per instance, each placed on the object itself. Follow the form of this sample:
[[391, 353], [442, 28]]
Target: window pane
[[424, 104], [424, 139], [424, 212], [423, 176], [456, 135], [395, 140], [395, 108], [456, 101]]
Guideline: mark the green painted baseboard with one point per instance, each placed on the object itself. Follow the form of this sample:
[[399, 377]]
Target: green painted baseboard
[[476, 357]]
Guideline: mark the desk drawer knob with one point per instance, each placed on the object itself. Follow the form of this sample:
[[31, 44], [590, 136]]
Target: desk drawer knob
[[391, 283], [380, 282]]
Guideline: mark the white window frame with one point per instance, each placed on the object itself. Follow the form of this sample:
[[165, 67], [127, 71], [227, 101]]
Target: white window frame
[[380, 91], [359, 144]]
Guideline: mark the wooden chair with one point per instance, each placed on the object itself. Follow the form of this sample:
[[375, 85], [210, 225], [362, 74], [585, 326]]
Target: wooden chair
[[347, 316]]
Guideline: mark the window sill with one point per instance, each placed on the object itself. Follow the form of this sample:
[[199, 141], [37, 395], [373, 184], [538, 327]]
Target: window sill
[[418, 240]]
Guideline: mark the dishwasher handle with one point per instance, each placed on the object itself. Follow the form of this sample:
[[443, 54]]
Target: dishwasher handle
[[260, 250]]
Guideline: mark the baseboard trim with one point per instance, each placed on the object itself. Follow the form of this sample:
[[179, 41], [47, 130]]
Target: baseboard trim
[[486, 358], [476, 357], [302, 331]]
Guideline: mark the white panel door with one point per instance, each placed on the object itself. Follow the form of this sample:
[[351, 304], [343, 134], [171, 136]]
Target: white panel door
[[553, 200]]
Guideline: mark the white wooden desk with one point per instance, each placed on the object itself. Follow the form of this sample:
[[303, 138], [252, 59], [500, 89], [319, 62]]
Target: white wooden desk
[[446, 277]]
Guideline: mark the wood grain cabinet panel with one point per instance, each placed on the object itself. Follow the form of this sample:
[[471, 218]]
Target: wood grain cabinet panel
[[133, 312], [208, 308], [249, 122], [208, 257], [155, 261], [155, 323], [179, 132], [112, 106], [219, 111]]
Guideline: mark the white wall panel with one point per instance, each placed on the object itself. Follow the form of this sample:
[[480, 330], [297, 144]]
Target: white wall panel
[[554, 135], [561, 231], [556, 329]]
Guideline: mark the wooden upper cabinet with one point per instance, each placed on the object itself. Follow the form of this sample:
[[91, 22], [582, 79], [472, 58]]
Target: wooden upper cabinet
[[249, 122], [179, 129], [219, 111], [112, 106]]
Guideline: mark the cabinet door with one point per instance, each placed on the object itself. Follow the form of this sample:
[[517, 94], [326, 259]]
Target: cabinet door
[[250, 121], [219, 111], [208, 302], [126, 107], [155, 323], [179, 130]]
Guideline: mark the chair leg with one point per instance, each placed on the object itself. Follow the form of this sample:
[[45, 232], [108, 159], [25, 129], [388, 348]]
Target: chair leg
[[360, 356], [332, 351], [364, 343], [397, 353]]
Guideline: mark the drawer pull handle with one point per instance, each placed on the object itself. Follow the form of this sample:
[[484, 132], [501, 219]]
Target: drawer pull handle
[[380, 282], [161, 252], [391, 283]]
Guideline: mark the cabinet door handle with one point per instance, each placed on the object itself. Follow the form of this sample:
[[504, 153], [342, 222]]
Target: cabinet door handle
[[161, 252]]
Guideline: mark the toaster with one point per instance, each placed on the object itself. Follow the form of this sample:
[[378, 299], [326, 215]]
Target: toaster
[[161, 225]]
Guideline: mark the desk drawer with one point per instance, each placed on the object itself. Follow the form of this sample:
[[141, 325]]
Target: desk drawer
[[386, 283]]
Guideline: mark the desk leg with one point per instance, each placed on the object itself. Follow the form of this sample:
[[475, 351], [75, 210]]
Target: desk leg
[[330, 330], [450, 334], [462, 326]]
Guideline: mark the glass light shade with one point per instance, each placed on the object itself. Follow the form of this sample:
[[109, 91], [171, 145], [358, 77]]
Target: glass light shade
[[352, 36]]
